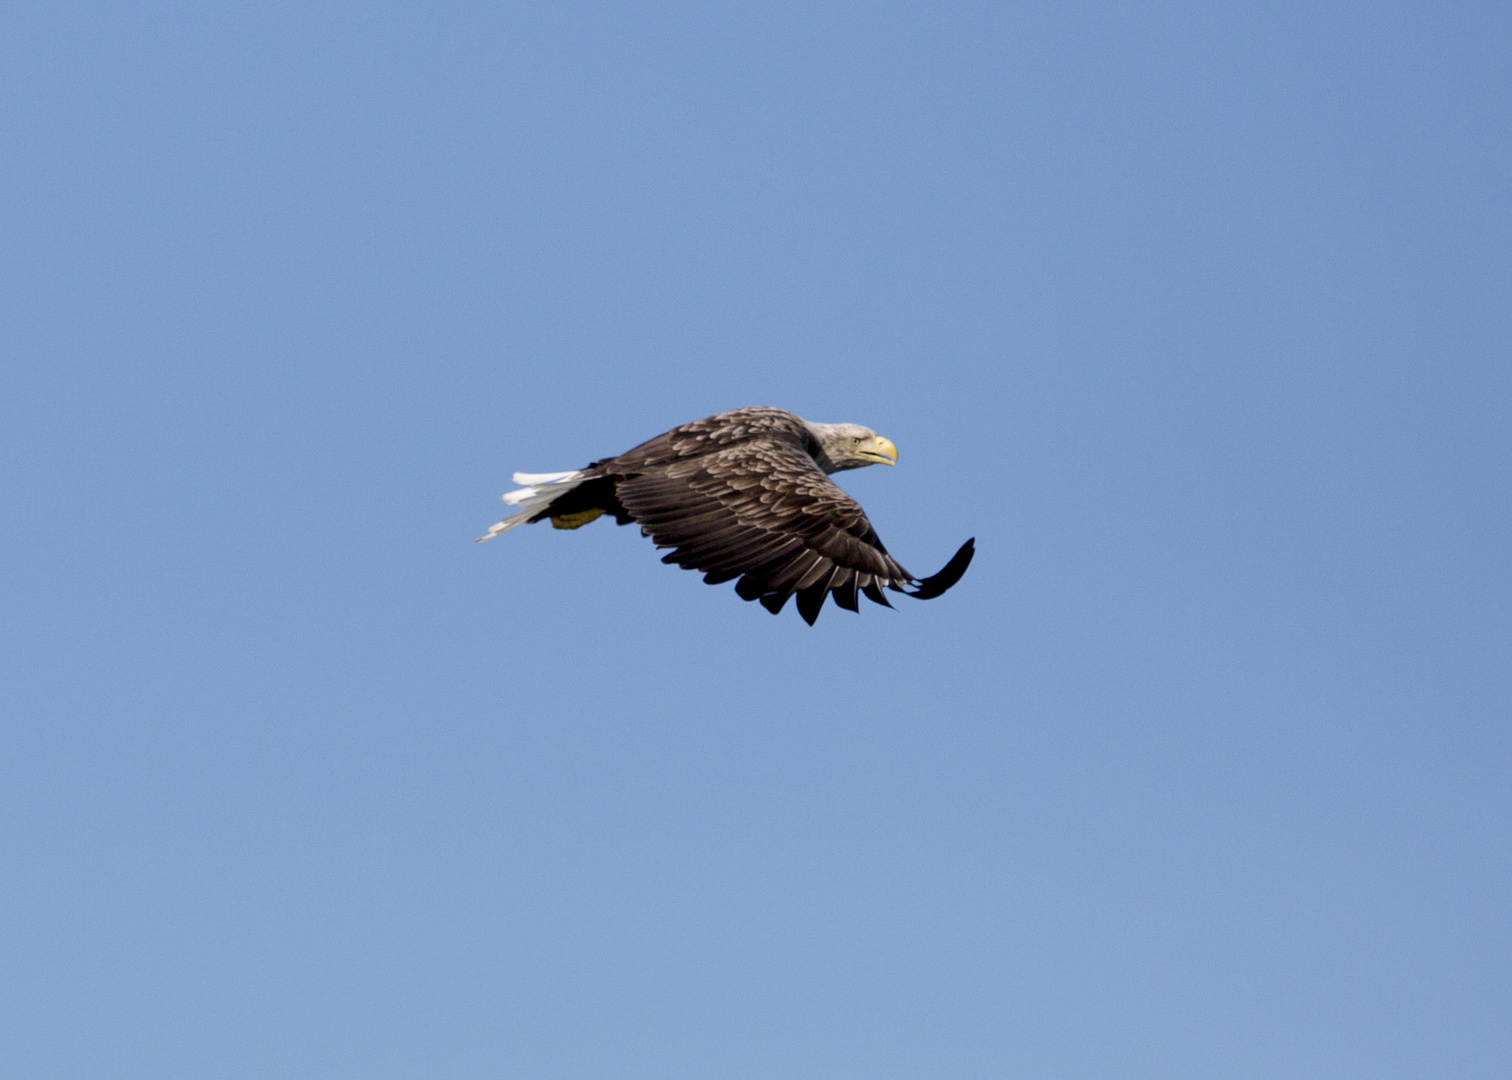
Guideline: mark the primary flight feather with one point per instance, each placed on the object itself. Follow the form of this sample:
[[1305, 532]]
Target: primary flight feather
[[745, 494]]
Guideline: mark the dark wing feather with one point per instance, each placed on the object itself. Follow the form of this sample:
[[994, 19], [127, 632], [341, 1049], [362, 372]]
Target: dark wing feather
[[949, 574], [757, 508], [843, 588]]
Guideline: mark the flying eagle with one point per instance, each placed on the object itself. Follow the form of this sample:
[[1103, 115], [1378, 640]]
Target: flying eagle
[[745, 494]]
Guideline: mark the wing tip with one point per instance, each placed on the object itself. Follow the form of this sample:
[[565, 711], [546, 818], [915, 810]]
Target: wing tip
[[950, 573]]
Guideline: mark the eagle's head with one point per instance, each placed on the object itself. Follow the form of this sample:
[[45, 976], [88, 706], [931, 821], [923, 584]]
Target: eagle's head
[[850, 446]]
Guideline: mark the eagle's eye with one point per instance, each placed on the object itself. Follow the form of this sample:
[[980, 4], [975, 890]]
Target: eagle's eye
[[856, 440]]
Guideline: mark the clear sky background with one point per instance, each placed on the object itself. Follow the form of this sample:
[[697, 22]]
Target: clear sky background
[[1197, 316]]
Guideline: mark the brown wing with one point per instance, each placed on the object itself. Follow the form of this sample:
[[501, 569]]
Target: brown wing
[[759, 510]]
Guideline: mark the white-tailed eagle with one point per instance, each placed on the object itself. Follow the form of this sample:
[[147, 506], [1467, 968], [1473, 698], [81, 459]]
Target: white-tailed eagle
[[745, 494]]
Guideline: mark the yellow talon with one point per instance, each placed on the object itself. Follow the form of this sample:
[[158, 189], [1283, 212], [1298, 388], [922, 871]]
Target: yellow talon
[[575, 521]]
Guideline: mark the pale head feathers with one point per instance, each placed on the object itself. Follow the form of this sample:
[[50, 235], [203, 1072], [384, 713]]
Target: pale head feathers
[[849, 446]]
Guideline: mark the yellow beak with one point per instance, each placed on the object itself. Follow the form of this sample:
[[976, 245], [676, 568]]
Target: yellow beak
[[880, 449]]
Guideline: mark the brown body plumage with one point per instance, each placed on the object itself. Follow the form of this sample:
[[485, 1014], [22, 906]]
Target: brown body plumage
[[746, 495]]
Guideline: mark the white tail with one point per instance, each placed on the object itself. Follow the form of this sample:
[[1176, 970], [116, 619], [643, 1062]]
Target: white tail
[[539, 492]]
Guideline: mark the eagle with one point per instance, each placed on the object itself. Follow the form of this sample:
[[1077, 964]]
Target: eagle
[[745, 494]]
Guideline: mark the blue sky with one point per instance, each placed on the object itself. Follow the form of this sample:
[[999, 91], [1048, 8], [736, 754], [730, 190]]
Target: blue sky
[[1196, 317]]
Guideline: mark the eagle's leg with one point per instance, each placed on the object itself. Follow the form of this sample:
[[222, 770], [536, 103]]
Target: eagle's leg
[[584, 503]]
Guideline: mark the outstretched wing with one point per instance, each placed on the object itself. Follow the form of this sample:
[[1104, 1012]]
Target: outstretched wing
[[761, 511]]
